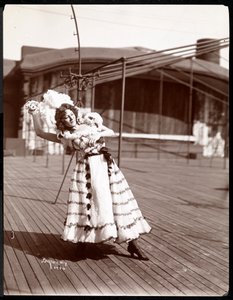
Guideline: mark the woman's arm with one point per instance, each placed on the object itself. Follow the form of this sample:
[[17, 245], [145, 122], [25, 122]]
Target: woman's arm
[[40, 132], [71, 136], [106, 132]]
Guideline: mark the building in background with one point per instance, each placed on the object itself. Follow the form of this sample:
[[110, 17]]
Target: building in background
[[40, 69]]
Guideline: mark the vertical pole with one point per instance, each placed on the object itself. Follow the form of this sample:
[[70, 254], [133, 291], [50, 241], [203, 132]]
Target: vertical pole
[[28, 137], [47, 153], [93, 94], [63, 161], [160, 109], [47, 149], [79, 54], [136, 150], [29, 134], [25, 150], [190, 109], [24, 132], [34, 152], [79, 65], [122, 109], [226, 138]]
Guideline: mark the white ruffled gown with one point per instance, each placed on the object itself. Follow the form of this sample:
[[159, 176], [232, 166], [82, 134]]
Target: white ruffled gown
[[101, 205]]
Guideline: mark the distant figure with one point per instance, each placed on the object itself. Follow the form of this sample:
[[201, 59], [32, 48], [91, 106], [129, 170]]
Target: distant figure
[[215, 146], [212, 146], [200, 132], [218, 145]]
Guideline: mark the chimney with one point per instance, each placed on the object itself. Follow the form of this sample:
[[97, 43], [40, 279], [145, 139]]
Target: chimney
[[205, 44]]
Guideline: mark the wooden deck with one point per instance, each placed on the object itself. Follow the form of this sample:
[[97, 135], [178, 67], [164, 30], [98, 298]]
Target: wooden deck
[[186, 205]]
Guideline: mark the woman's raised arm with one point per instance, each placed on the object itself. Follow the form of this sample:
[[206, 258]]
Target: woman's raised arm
[[40, 132]]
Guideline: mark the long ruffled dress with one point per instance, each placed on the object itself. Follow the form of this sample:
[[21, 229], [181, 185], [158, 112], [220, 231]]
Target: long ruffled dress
[[101, 206]]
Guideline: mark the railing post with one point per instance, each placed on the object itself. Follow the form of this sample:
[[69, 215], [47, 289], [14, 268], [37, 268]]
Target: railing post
[[79, 90], [190, 109], [122, 109], [226, 138], [160, 110], [34, 152], [47, 153], [63, 161], [93, 94]]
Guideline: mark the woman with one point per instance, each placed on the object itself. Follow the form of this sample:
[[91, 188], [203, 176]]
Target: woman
[[101, 205]]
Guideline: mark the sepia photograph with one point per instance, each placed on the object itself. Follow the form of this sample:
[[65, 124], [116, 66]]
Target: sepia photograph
[[116, 149]]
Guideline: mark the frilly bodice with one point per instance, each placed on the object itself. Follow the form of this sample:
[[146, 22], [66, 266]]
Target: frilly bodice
[[84, 144], [87, 146]]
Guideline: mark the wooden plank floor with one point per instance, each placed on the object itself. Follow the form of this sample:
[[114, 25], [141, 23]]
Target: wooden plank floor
[[186, 206]]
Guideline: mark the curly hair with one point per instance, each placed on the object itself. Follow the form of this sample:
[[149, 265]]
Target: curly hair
[[60, 113]]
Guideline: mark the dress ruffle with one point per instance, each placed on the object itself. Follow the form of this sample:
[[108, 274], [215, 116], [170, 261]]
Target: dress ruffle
[[101, 206]]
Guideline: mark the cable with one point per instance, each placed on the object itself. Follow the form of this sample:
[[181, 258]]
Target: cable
[[197, 89], [200, 81], [156, 60], [174, 50], [204, 67], [140, 67]]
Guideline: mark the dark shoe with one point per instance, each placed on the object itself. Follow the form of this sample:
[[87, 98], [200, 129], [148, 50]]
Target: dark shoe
[[134, 249]]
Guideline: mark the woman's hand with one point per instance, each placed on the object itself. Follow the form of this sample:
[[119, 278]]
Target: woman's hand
[[32, 106], [33, 109]]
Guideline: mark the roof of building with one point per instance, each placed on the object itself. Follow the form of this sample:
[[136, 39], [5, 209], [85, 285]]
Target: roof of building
[[25, 50], [50, 58], [36, 59], [8, 66]]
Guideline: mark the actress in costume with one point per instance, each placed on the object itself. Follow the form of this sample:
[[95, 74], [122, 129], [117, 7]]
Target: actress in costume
[[101, 205]]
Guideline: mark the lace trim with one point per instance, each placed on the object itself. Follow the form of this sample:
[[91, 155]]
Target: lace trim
[[115, 214], [124, 203], [121, 192], [114, 203], [78, 203], [113, 193], [90, 227], [78, 181], [126, 214], [107, 224], [77, 192], [118, 182], [80, 171], [77, 214]]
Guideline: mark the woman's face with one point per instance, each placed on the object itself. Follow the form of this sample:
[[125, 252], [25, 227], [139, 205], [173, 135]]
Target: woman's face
[[69, 119]]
